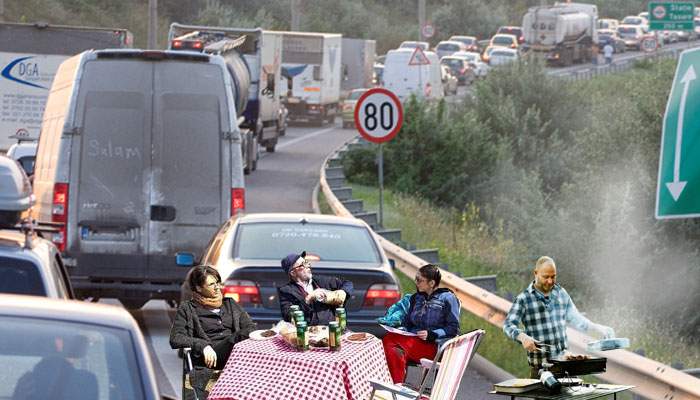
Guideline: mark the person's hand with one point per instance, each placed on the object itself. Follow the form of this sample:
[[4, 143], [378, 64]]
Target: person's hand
[[423, 335], [528, 343], [209, 356], [318, 295], [605, 331]]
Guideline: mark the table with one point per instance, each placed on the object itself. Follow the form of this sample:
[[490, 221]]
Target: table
[[585, 392], [271, 370]]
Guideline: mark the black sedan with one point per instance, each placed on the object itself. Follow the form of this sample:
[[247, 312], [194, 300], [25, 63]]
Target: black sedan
[[248, 249]]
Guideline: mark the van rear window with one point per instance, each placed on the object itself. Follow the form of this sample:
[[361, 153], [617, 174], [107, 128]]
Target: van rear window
[[20, 277]]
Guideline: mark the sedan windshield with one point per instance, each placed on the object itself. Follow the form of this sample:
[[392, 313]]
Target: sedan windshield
[[503, 40], [20, 277], [55, 359], [330, 242], [448, 47]]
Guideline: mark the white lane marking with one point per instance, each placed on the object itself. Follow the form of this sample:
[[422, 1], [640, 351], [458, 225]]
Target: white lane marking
[[302, 138], [155, 316]]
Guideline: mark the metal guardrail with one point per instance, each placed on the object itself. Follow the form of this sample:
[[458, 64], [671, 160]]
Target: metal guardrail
[[651, 379], [617, 65]]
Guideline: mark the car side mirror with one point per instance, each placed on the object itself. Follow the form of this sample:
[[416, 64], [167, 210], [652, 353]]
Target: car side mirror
[[392, 263]]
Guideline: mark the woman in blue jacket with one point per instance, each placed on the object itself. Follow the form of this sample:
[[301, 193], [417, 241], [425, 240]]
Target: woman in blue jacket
[[433, 315]]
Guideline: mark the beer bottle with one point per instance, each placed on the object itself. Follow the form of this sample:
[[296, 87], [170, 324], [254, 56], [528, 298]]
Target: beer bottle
[[298, 317], [341, 317], [292, 308], [302, 337], [333, 336]]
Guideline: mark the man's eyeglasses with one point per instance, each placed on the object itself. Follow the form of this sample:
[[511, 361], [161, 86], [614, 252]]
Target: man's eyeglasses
[[304, 264], [420, 279]]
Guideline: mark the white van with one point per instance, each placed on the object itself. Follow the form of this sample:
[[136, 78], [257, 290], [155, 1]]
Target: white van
[[404, 78], [138, 164]]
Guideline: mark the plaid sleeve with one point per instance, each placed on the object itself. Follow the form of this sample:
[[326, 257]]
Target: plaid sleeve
[[573, 317], [514, 318]]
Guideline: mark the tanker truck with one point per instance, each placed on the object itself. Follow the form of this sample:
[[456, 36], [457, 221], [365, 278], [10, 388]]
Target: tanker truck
[[253, 58], [565, 32]]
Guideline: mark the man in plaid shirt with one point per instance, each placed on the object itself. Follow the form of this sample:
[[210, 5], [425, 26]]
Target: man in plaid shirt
[[545, 309]]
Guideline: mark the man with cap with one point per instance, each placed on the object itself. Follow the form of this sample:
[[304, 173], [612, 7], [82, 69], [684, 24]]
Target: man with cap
[[316, 296]]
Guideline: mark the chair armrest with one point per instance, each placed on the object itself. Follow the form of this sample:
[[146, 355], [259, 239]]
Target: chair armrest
[[187, 359], [425, 363], [402, 391]]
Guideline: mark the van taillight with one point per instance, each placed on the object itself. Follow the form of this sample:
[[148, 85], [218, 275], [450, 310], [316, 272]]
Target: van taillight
[[59, 213], [243, 292], [381, 295], [237, 200]]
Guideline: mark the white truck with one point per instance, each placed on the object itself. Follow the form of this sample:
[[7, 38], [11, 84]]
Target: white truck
[[311, 68], [358, 63], [565, 32], [29, 57]]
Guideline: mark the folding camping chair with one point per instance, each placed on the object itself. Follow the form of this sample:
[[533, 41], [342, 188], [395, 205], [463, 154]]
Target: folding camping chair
[[188, 392], [453, 356]]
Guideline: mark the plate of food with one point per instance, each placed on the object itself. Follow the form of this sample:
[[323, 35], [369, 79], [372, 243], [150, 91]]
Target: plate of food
[[262, 334], [358, 337]]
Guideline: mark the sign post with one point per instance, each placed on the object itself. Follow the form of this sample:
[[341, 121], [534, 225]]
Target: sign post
[[678, 185], [671, 16], [378, 118]]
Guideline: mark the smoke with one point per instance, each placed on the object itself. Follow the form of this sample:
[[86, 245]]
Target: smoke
[[622, 258]]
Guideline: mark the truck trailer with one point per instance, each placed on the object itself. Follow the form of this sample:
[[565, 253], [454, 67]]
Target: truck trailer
[[358, 63], [565, 32], [29, 57], [311, 65]]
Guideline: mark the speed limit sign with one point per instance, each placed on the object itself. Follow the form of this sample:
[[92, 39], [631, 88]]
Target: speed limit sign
[[378, 115]]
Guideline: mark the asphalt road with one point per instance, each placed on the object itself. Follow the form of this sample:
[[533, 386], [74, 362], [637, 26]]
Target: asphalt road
[[283, 182]]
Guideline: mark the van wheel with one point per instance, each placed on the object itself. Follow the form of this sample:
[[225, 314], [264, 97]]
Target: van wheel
[[254, 154], [270, 145], [132, 304]]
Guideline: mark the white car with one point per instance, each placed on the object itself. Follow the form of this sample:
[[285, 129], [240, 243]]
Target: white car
[[501, 56], [636, 20], [410, 44], [481, 69], [632, 35], [447, 48]]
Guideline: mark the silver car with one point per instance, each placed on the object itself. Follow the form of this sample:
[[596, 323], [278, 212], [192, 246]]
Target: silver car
[[247, 252], [65, 349]]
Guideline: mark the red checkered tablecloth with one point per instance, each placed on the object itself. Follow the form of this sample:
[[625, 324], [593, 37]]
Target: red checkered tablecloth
[[272, 370]]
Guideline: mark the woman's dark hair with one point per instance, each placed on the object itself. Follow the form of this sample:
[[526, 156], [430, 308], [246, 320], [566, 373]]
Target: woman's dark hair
[[431, 272], [198, 276]]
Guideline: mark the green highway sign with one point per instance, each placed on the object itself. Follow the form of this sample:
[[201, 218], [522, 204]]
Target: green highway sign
[[678, 186], [671, 16]]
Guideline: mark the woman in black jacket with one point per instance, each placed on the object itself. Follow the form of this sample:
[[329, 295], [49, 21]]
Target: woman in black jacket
[[209, 324]]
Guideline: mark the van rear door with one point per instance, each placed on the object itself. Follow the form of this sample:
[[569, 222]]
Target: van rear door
[[191, 171], [111, 168]]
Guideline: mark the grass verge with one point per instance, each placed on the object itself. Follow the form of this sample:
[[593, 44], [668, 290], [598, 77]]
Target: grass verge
[[470, 249]]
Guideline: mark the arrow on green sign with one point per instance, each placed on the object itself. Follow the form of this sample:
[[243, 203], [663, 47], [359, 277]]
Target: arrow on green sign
[[678, 184], [676, 187]]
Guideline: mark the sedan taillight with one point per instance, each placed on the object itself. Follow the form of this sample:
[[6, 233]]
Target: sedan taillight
[[381, 295], [243, 292]]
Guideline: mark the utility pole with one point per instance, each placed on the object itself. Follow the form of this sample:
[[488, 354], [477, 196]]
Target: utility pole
[[421, 19], [296, 15], [152, 24]]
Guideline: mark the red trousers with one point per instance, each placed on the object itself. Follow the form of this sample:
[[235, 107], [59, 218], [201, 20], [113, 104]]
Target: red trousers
[[399, 349]]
